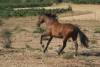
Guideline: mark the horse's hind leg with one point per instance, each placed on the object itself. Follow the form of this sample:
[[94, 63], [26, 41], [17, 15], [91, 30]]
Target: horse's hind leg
[[48, 44], [74, 38], [76, 48], [64, 45]]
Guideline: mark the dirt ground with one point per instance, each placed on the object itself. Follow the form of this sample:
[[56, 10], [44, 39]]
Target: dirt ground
[[26, 50]]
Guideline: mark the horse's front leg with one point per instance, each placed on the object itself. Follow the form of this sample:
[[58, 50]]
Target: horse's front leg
[[48, 44], [74, 38], [42, 36]]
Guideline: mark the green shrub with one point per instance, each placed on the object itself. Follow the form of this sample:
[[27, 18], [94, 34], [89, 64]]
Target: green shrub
[[68, 55], [39, 30], [69, 8], [84, 1], [97, 30], [25, 3], [1, 22], [9, 12], [6, 12], [94, 41], [6, 35]]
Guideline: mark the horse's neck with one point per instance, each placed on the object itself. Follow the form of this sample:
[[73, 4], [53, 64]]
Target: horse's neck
[[50, 24]]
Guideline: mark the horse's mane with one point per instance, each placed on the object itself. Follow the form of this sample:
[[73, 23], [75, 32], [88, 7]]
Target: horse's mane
[[52, 16]]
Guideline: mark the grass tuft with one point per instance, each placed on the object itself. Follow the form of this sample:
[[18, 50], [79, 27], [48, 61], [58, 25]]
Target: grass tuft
[[97, 30], [1, 22], [6, 35], [68, 55], [39, 30], [94, 41]]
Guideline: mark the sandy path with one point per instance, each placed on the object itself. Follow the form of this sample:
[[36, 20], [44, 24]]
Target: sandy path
[[80, 17]]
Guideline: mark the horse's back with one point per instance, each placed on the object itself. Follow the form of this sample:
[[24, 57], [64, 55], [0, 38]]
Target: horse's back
[[61, 30], [68, 28]]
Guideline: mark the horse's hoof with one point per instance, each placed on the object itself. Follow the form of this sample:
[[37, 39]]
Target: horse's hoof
[[43, 46], [44, 51], [40, 42], [59, 53]]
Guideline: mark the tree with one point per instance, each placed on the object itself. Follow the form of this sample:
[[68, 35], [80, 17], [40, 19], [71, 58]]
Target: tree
[[59, 1]]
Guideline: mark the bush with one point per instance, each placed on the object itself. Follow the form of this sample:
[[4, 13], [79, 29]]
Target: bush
[[6, 35], [69, 8], [97, 30], [5, 12], [39, 30], [84, 1], [68, 55], [9, 12], [25, 3], [22, 5], [1, 22]]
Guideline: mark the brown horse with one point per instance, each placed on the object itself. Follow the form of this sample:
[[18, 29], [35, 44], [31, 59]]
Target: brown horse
[[58, 30]]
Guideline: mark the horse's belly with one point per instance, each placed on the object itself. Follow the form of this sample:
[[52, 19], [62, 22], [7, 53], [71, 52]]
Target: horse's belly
[[56, 32], [59, 35]]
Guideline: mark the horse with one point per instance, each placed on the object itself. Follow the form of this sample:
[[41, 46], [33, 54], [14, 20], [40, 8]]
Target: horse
[[65, 31]]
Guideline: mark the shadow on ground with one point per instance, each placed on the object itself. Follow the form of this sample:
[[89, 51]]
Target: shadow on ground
[[96, 53]]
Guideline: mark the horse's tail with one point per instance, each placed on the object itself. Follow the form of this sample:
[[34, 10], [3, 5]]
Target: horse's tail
[[83, 38]]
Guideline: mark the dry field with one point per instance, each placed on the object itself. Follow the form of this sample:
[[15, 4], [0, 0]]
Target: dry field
[[26, 50]]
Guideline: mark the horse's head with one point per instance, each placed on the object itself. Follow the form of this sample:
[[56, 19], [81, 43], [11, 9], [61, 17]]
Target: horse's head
[[46, 17], [41, 20]]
